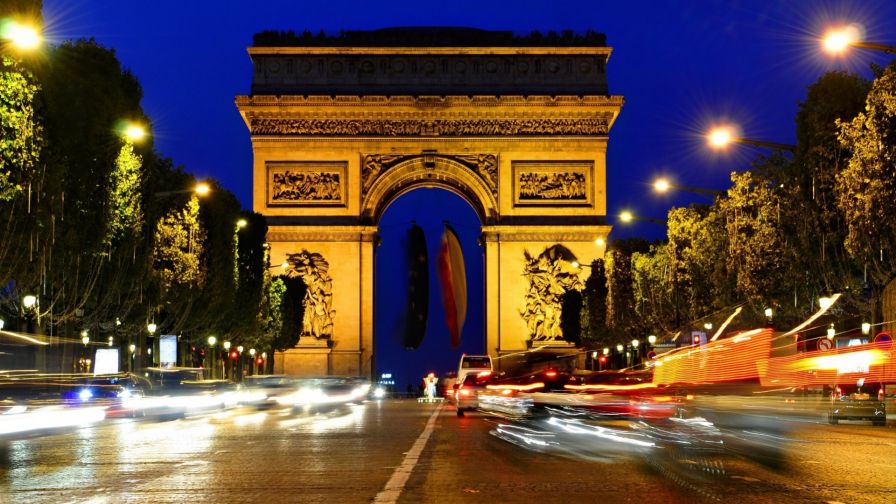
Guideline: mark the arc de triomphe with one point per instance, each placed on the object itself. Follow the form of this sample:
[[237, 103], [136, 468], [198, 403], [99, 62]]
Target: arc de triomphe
[[342, 126]]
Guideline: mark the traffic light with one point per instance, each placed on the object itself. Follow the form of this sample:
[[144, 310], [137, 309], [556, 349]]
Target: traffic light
[[603, 359], [696, 340], [233, 355]]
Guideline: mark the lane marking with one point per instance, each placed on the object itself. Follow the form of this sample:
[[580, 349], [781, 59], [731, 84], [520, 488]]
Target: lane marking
[[392, 491]]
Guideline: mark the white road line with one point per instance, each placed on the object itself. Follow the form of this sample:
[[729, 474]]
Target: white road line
[[392, 491]]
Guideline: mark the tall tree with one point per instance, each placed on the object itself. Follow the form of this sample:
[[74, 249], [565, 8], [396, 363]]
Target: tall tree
[[866, 188]]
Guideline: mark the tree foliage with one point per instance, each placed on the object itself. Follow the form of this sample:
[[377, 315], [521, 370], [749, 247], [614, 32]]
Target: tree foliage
[[866, 188], [125, 211], [21, 137]]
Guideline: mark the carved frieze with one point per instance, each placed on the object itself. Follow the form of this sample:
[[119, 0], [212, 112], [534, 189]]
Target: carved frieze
[[483, 165], [552, 182], [306, 183], [437, 127]]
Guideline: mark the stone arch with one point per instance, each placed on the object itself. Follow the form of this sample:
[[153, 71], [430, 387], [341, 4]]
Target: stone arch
[[440, 172]]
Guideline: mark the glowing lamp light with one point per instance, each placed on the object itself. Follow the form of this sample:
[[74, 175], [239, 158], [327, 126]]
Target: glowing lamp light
[[134, 132], [151, 327], [768, 313], [252, 352], [575, 264], [831, 332], [242, 223], [22, 36], [626, 216], [661, 185], [85, 338], [132, 347], [825, 302], [212, 340], [600, 242], [635, 343], [29, 301], [239, 349], [110, 340], [708, 326], [226, 345], [202, 189], [285, 265], [264, 355], [593, 355], [866, 328], [651, 339], [837, 41], [720, 137], [606, 351], [619, 347]]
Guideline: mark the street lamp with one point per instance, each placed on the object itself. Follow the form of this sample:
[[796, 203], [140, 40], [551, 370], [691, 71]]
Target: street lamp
[[21, 36], [600, 242], [635, 343], [721, 137], [825, 302], [619, 347], [151, 328], [651, 339], [133, 132], [240, 224], [662, 185], [866, 328], [831, 332], [708, 326], [85, 338], [202, 189], [29, 301], [837, 40], [626, 216], [212, 340]]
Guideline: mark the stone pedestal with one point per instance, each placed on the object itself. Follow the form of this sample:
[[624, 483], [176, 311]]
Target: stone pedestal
[[310, 357]]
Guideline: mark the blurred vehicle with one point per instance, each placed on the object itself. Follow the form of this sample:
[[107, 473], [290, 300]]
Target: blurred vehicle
[[324, 392], [859, 401], [448, 385], [269, 388], [163, 379], [473, 364], [68, 387], [468, 390]]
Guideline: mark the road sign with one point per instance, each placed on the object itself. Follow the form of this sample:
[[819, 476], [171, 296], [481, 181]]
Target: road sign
[[825, 344], [883, 340]]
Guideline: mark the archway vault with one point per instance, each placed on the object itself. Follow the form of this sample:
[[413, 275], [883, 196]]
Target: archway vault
[[472, 177], [519, 131]]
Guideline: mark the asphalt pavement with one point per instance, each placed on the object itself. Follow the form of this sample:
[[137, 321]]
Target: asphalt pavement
[[408, 452]]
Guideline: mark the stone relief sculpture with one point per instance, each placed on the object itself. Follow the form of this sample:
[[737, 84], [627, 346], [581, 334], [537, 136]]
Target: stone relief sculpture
[[438, 127], [552, 186], [486, 165], [312, 268], [374, 165], [550, 276], [297, 186]]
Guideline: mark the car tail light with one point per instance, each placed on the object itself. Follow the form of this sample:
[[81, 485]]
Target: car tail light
[[484, 373], [464, 391], [880, 394], [551, 374]]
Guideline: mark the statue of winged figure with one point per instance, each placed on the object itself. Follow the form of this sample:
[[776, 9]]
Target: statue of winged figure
[[312, 268]]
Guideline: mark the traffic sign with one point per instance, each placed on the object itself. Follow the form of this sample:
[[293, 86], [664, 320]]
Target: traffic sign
[[883, 340], [825, 344]]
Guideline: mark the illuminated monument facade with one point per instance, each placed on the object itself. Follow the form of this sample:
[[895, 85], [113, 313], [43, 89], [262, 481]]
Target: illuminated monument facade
[[342, 126]]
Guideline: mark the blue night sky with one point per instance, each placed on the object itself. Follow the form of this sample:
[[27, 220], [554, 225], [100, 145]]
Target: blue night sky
[[681, 65]]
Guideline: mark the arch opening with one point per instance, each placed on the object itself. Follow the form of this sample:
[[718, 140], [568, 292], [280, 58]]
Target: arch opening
[[429, 207]]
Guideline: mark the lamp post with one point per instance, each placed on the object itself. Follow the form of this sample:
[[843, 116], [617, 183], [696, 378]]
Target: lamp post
[[211, 355], [721, 137], [837, 40], [226, 367], [626, 217], [662, 185], [251, 361], [239, 360]]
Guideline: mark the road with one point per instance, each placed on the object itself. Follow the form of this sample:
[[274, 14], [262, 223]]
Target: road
[[406, 452]]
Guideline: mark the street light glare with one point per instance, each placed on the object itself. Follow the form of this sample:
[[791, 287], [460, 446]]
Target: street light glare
[[134, 132], [202, 189], [837, 40], [720, 137], [661, 185], [600, 242], [22, 36], [626, 216], [29, 301], [575, 264], [241, 223]]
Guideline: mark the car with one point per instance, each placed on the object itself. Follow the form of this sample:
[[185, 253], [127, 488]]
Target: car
[[468, 390], [859, 401]]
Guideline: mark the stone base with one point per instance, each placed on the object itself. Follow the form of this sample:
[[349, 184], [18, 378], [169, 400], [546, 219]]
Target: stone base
[[311, 357]]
